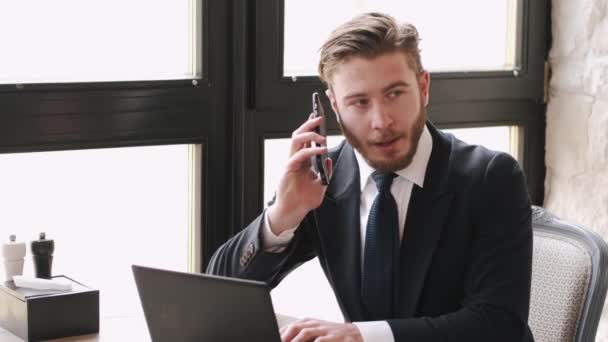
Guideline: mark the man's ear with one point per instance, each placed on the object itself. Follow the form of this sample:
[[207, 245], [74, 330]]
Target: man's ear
[[332, 100], [424, 84]]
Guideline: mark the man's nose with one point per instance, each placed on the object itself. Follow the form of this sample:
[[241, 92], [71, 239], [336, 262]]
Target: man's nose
[[381, 117]]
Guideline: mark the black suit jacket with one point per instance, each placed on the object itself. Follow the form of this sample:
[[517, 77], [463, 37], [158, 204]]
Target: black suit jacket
[[465, 255]]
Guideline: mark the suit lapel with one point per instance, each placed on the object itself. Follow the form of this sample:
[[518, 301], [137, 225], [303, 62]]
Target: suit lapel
[[339, 233], [427, 212]]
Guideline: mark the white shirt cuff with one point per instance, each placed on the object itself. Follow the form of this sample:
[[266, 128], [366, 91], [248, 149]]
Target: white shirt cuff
[[375, 331], [275, 243]]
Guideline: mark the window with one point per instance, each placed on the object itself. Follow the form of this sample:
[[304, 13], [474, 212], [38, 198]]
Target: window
[[498, 138], [106, 209], [452, 46], [93, 41], [505, 59], [110, 74]]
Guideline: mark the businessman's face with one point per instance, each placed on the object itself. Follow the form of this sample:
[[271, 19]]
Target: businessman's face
[[380, 104]]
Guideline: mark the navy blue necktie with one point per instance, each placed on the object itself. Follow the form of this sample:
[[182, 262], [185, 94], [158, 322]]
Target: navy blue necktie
[[381, 242]]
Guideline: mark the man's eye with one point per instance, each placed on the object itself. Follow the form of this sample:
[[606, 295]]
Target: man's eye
[[360, 102], [394, 94]]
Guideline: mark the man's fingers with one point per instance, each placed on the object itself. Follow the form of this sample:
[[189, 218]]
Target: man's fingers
[[308, 334], [308, 125], [307, 137], [300, 322], [289, 332], [296, 161], [302, 140]]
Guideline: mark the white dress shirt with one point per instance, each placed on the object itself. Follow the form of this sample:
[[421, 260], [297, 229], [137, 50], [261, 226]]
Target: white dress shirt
[[401, 189]]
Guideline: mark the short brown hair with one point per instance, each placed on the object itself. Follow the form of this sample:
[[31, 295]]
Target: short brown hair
[[369, 35]]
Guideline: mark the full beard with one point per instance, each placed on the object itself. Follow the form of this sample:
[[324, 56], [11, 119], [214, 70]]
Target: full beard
[[398, 162]]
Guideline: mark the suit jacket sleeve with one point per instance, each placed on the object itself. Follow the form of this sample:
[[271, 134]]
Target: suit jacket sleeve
[[243, 256], [497, 285]]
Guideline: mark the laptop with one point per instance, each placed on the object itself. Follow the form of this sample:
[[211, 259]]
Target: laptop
[[197, 307]]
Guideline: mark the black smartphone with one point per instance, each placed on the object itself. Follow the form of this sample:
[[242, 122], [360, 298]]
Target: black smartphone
[[319, 162]]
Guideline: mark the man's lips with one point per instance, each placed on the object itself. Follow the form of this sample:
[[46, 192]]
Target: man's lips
[[385, 142]]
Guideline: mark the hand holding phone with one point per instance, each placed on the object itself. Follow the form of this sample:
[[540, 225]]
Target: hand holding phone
[[319, 162], [307, 173]]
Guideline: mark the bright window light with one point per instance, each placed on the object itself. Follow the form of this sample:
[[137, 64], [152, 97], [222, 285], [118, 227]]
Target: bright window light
[[93, 41], [106, 209], [454, 34]]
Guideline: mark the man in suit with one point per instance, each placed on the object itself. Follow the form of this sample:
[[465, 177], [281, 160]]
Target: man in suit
[[421, 236]]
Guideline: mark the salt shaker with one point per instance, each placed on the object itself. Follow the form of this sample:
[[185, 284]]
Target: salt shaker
[[13, 254]]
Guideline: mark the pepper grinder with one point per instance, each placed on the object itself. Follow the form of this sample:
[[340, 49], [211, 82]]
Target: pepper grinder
[[42, 251], [14, 257]]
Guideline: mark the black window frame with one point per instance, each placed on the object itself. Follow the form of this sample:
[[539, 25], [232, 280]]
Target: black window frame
[[275, 91]]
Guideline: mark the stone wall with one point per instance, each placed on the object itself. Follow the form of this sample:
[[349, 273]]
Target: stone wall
[[576, 183]]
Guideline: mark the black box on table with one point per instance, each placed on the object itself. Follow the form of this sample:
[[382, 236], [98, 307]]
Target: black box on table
[[37, 315]]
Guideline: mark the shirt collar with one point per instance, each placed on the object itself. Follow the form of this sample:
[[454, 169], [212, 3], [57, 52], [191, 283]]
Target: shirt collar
[[414, 172]]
